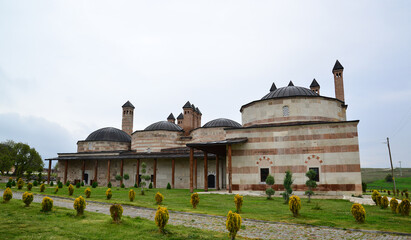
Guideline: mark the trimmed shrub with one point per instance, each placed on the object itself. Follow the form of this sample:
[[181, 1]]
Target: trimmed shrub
[[159, 198], [42, 187], [78, 185], [116, 211], [7, 195], [35, 183], [10, 179], [60, 185], [82, 184], [393, 205], [118, 177], [109, 194], [94, 185], [238, 200], [87, 192], [79, 205], [122, 185], [13, 183], [168, 186], [131, 195], [20, 183], [374, 195], [404, 207], [295, 205], [195, 200], [126, 176], [384, 202], [388, 178], [56, 189], [269, 192], [364, 187], [46, 204], [135, 185], [27, 198], [233, 224], [150, 186], [358, 212], [161, 218], [70, 190], [379, 198], [29, 186], [51, 184], [109, 185], [67, 183], [8, 185]]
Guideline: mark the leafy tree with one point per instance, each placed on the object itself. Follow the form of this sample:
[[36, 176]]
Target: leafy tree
[[26, 159], [144, 177], [388, 178], [310, 183], [288, 181], [6, 156], [269, 181]]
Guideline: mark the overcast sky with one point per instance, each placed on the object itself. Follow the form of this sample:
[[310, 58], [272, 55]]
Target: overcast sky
[[67, 67]]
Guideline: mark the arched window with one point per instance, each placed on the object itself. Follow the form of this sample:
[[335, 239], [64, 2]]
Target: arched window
[[286, 111]]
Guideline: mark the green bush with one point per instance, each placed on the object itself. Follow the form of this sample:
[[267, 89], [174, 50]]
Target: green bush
[[13, 183], [122, 185], [404, 207], [70, 190], [118, 177], [168, 186], [135, 185], [364, 187], [388, 178], [295, 205], [20, 183], [269, 180], [233, 224], [67, 183], [116, 211], [126, 176], [195, 200], [82, 184], [358, 212], [161, 218], [42, 187], [46, 204], [384, 202], [379, 199], [8, 185], [87, 192], [7, 195], [150, 186], [374, 195], [27, 198], [288, 181], [131, 195], [79, 205], [109, 194], [60, 184], [94, 185], [109, 185], [238, 200], [78, 185], [393, 205], [29, 186], [56, 190], [269, 193], [159, 198], [35, 183], [51, 184]]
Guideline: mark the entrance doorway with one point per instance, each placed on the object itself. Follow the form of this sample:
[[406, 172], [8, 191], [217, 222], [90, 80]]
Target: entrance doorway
[[86, 178], [211, 181]]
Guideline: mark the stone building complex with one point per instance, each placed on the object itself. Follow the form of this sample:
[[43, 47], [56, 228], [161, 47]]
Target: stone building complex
[[290, 128]]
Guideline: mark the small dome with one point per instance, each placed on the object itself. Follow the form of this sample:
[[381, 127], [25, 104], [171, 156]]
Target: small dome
[[290, 91], [109, 134], [222, 122], [163, 125]]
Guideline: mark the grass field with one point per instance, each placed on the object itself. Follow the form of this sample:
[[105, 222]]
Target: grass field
[[19, 222], [335, 213], [369, 175], [401, 183]]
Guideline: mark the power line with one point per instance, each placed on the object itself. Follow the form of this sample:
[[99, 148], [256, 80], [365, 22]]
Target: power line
[[402, 122]]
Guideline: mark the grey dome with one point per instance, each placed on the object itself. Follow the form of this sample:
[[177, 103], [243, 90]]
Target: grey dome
[[222, 122], [109, 134], [163, 125], [290, 91]]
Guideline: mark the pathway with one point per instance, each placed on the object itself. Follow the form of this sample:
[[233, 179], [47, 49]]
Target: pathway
[[253, 228]]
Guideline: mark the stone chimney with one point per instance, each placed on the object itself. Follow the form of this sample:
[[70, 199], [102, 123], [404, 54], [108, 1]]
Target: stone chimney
[[127, 120], [315, 87], [171, 118], [338, 81]]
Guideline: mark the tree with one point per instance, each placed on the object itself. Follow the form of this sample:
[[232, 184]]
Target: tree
[[310, 183], [388, 178], [6, 156], [25, 159], [288, 181], [269, 181], [144, 177]]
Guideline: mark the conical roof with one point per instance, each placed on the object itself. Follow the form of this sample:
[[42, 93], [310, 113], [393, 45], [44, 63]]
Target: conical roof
[[171, 116], [337, 66], [314, 83], [273, 87], [187, 105], [180, 116], [128, 104], [291, 84]]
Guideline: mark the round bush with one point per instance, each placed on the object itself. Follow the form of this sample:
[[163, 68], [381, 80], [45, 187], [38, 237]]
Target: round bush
[[384, 202], [159, 198], [131, 195], [116, 211], [8, 185], [78, 185], [195, 200], [67, 183], [42, 187], [87, 192], [238, 200], [46, 204], [269, 192], [358, 212], [109, 194], [295, 205], [161, 218], [123, 186], [393, 205], [60, 184], [29, 186], [7, 195], [20, 183], [94, 185], [70, 190], [233, 223], [27, 198], [109, 185], [374, 195], [404, 207], [79, 205]]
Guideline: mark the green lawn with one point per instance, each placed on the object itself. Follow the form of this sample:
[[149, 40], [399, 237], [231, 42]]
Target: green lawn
[[370, 175], [401, 183], [334, 213], [19, 222]]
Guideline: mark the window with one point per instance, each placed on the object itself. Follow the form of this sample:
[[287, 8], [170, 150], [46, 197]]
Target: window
[[286, 111], [317, 177], [264, 173]]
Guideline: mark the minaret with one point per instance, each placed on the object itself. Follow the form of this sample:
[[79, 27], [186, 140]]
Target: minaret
[[127, 121], [338, 81], [188, 120], [315, 87]]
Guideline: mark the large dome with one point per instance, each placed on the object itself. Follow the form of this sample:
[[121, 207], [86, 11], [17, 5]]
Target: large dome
[[163, 125], [222, 122], [290, 91], [109, 134]]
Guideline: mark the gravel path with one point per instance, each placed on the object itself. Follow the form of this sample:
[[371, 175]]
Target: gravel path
[[253, 228]]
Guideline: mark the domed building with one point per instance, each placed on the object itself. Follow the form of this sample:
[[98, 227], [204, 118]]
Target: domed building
[[291, 128]]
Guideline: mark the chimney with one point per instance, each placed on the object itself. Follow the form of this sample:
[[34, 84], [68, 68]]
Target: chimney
[[171, 118], [338, 81], [315, 87], [127, 120]]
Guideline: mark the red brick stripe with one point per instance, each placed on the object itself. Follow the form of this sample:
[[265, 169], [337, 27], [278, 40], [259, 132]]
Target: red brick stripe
[[299, 187], [287, 151]]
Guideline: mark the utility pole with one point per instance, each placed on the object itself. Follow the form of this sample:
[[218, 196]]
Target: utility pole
[[392, 169], [400, 169]]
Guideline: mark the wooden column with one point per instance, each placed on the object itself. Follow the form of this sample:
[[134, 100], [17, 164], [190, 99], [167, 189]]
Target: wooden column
[[205, 172], [108, 171], [230, 171], [155, 173], [217, 173], [191, 169], [65, 171], [95, 170], [83, 169], [48, 173], [121, 171], [138, 172], [195, 173], [173, 167]]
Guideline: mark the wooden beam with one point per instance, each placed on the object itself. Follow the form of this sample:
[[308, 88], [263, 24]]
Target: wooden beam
[[195, 173], [108, 171], [48, 173], [230, 171], [205, 172], [155, 173], [121, 171], [65, 171], [83, 169], [217, 173], [173, 168], [191, 169], [138, 172], [95, 170]]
